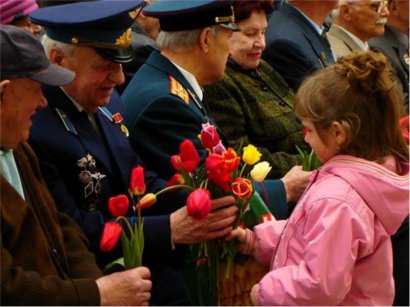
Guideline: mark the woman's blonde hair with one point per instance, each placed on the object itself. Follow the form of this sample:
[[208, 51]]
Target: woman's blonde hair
[[360, 92]]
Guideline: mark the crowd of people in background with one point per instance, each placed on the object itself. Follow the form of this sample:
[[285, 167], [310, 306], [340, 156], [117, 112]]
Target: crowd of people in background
[[91, 89]]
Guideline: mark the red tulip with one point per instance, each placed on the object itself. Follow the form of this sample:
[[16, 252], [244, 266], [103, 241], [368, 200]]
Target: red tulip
[[177, 179], [404, 124], [218, 172], [118, 205], [189, 156], [176, 162], [242, 188], [231, 159], [110, 236], [137, 182], [199, 204], [209, 136]]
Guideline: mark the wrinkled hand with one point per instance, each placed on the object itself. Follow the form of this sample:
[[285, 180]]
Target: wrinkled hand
[[128, 288], [295, 181], [254, 295], [186, 230]]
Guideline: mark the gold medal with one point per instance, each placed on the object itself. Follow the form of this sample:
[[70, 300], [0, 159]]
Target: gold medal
[[406, 58], [125, 130]]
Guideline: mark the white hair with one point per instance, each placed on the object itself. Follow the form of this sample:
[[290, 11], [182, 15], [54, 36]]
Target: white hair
[[180, 39], [49, 43]]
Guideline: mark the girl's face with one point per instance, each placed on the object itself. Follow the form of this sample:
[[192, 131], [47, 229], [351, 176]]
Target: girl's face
[[326, 145]]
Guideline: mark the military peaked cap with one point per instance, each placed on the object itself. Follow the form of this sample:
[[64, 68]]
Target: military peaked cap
[[180, 15], [102, 24]]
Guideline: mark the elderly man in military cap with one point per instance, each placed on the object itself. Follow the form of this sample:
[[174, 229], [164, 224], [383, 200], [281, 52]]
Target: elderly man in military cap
[[82, 143], [163, 102], [44, 256]]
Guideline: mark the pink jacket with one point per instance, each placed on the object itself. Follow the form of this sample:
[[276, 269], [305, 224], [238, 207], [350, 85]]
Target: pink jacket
[[335, 249]]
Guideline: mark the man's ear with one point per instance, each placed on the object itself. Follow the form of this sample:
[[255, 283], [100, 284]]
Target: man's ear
[[3, 85], [344, 12], [204, 39], [57, 56]]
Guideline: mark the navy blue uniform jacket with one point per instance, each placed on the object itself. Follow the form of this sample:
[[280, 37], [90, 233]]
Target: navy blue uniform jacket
[[163, 120], [73, 158], [294, 48]]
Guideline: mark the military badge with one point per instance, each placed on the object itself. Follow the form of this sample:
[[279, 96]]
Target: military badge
[[117, 118], [176, 88]]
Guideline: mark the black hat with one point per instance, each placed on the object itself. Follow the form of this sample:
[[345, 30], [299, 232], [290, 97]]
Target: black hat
[[180, 15], [23, 56], [102, 24]]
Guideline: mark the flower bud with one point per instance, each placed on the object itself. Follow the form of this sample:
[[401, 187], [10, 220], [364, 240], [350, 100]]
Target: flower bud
[[242, 188], [189, 156], [260, 171], [147, 201], [209, 136], [137, 182], [110, 236], [251, 155], [176, 179], [199, 204], [118, 205]]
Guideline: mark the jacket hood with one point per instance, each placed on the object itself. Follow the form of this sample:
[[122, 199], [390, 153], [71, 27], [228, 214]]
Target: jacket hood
[[384, 191]]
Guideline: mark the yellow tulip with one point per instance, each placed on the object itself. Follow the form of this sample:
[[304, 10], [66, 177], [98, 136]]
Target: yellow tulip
[[251, 155], [260, 171]]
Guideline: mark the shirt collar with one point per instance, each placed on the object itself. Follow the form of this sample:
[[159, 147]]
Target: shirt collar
[[191, 80]]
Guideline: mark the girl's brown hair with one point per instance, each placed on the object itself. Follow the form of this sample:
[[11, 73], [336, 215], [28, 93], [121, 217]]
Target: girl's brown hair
[[360, 92]]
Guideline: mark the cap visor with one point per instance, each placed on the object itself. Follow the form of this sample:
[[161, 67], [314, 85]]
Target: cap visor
[[54, 75], [231, 26], [121, 56]]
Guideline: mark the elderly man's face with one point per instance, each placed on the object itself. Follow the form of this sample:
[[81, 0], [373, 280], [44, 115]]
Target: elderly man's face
[[217, 56], [19, 101], [368, 17], [95, 78]]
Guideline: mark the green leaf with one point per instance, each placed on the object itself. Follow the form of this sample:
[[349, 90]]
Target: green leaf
[[119, 261]]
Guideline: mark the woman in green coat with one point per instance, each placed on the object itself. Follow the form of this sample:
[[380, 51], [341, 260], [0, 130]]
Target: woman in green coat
[[252, 104]]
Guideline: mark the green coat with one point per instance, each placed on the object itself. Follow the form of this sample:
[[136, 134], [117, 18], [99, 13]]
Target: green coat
[[256, 107], [44, 256]]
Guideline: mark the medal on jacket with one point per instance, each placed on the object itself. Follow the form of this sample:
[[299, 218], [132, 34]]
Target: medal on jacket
[[117, 118], [90, 178], [406, 58]]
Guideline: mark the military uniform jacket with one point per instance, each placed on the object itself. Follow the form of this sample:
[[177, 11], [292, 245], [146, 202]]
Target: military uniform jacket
[[395, 45], [83, 169], [161, 114], [293, 46], [256, 107], [44, 255]]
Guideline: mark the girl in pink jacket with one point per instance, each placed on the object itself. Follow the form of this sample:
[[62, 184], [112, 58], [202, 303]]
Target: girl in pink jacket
[[335, 249]]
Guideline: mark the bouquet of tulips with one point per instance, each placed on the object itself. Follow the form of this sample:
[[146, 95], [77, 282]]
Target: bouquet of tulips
[[224, 172], [118, 206]]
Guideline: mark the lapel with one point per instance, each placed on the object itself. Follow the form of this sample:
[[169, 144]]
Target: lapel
[[86, 135], [117, 144], [318, 44], [345, 38]]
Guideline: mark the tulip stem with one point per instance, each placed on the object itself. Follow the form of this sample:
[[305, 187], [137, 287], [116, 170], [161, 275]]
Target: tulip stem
[[174, 187], [242, 170]]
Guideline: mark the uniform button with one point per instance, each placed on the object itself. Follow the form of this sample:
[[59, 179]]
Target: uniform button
[[265, 88], [55, 251], [282, 104]]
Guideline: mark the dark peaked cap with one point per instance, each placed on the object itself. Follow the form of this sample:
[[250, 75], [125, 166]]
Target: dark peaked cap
[[181, 15], [101, 24]]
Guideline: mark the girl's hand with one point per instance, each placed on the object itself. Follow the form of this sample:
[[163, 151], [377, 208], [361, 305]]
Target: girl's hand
[[254, 295]]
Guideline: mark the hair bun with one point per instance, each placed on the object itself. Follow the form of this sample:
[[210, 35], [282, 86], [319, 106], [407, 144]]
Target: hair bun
[[368, 71]]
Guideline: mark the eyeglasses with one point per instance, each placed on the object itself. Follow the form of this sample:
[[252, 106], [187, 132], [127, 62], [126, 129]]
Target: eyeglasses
[[376, 6]]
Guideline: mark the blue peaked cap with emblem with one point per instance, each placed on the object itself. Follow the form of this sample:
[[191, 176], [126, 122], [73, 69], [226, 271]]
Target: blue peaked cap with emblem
[[101, 24], [181, 15]]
